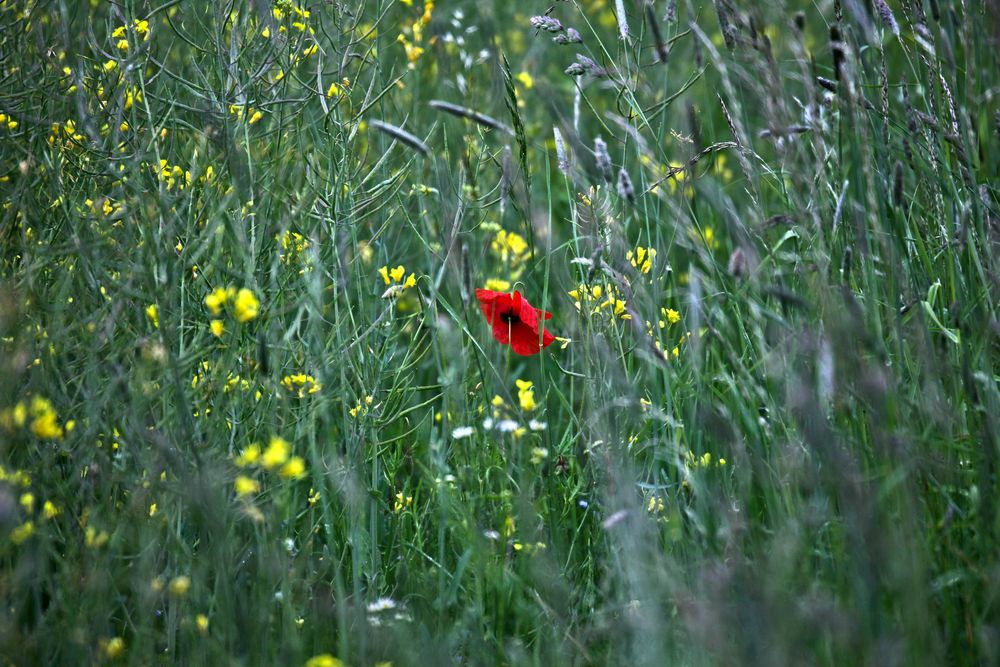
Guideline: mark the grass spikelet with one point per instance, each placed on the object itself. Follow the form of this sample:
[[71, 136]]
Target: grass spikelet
[[401, 135], [622, 18], [602, 159], [625, 189], [475, 116], [562, 156], [888, 18]]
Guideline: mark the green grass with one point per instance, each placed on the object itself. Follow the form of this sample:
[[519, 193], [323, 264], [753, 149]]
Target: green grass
[[800, 469]]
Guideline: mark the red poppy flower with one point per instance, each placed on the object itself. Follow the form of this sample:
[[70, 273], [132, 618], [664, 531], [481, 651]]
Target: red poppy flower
[[515, 322]]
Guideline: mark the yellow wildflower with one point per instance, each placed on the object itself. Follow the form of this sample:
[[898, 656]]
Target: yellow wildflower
[[324, 660], [670, 316], [114, 647], [526, 395], [248, 456], [246, 486], [277, 452], [20, 534], [179, 586], [246, 305], [294, 469], [217, 299], [641, 258], [401, 503], [44, 422]]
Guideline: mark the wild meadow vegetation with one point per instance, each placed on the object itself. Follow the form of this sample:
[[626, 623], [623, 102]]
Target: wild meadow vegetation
[[276, 386]]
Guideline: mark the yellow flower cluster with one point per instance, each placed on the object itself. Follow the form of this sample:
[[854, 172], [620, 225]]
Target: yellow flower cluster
[[692, 460], [641, 258], [234, 379], [293, 245], [8, 121], [15, 477], [394, 279], [277, 456], [526, 395], [252, 114], [539, 455], [597, 298], [324, 660], [412, 45], [337, 89], [301, 384], [401, 503], [362, 407], [286, 11], [498, 285], [108, 207], [38, 415], [25, 530], [141, 28], [288, 15], [245, 306], [670, 316], [510, 248], [65, 134], [706, 236], [173, 175]]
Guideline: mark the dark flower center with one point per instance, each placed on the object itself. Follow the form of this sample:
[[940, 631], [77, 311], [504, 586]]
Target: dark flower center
[[509, 318]]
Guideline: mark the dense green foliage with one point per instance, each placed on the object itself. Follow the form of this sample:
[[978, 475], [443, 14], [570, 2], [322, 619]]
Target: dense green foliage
[[252, 414]]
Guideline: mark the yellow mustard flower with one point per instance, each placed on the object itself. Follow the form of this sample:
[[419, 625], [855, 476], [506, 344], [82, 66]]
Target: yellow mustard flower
[[114, 647], [526, 395], [249, 456], [277, 452], [246, 305], [246, 486], [179, 586], [295, 468], [641, 258], [324, 660], [498, 285], [21, 534]]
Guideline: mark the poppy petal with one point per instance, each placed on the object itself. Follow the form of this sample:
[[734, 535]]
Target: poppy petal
[[524, 340], [501, 331], [493, 304]]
